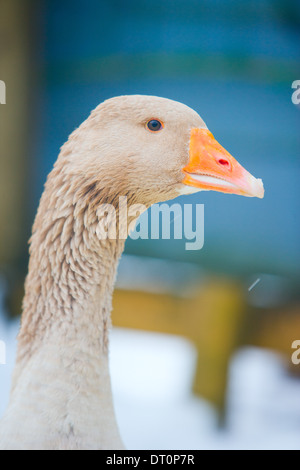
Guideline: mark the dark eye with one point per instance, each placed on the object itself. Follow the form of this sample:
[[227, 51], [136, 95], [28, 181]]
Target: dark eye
[[154, 125]]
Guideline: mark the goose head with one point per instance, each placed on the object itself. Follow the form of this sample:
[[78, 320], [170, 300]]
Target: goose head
[[153, 149]]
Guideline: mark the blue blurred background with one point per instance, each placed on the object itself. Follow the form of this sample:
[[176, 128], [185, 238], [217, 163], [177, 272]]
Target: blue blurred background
[[234, 62]]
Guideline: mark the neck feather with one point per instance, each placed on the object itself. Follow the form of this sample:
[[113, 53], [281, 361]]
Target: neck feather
[[61, 380], [71, 276]]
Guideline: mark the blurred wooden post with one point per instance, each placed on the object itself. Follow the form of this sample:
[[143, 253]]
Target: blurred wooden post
[[212, 320], [218, 315], [14, 119], [276, 329]]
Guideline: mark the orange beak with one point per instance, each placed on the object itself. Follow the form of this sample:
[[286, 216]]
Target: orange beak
[[211, 167]]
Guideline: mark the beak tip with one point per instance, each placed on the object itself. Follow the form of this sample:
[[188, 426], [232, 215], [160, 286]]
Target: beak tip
[[258, 189]]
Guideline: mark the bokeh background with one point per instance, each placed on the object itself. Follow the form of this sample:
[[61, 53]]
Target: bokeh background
[[198, 360]]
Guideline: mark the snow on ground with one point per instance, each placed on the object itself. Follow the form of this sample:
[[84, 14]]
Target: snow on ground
[[151, 379], [8, 333]]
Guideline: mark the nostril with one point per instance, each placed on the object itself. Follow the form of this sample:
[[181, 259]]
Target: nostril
[[224, 162]]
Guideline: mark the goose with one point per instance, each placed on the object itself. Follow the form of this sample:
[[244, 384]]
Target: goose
[[149, 149]]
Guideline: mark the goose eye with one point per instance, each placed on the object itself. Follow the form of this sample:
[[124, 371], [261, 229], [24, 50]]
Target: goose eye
[[154, 125]]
